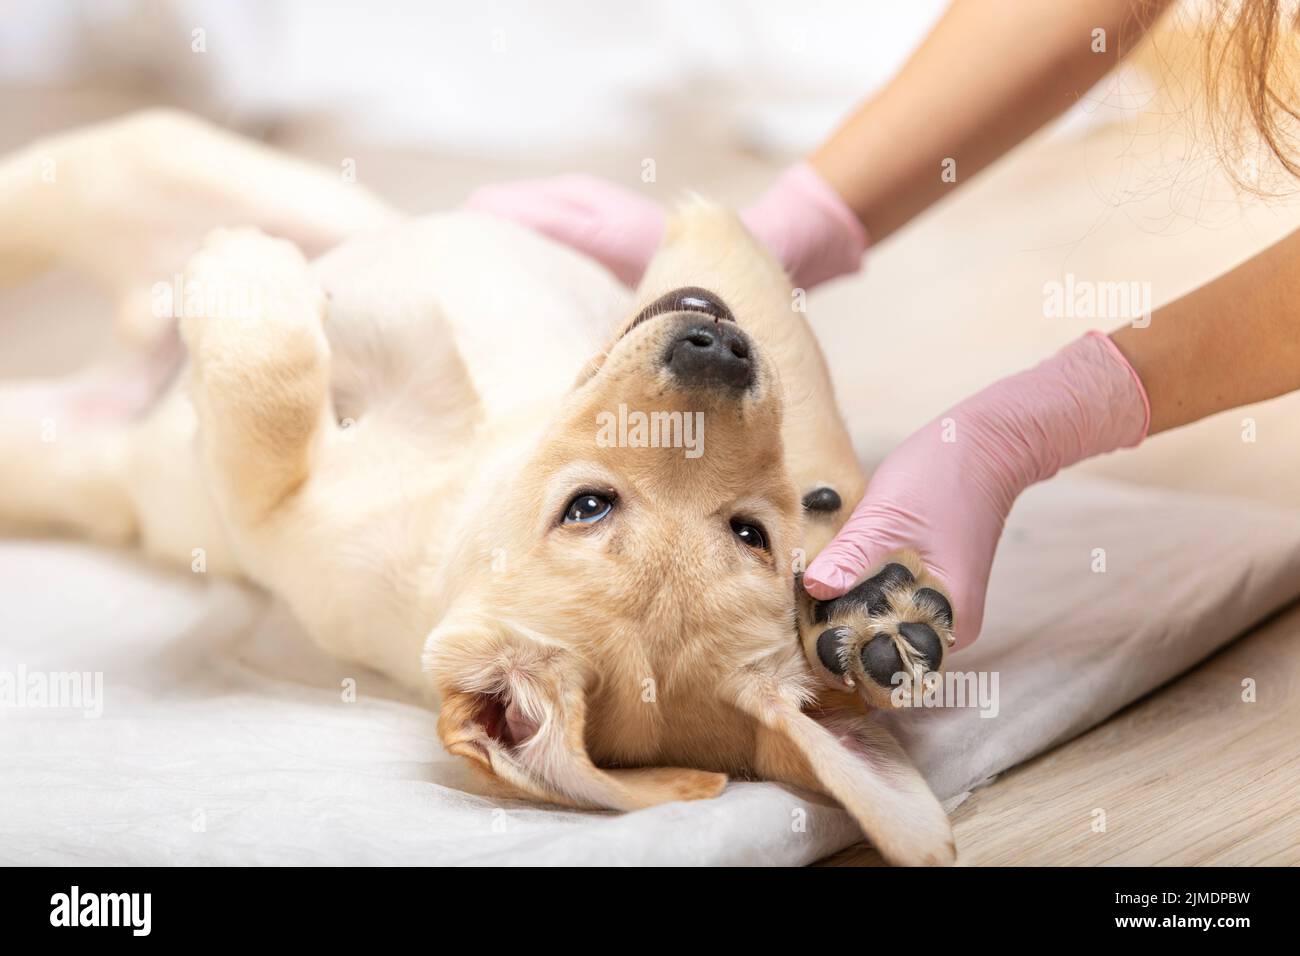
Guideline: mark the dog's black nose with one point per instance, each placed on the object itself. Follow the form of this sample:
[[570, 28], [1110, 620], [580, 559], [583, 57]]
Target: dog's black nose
[[711, 355]]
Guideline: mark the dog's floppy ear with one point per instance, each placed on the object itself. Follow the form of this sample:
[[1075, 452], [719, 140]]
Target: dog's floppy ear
[[514, 704], [843, 754]]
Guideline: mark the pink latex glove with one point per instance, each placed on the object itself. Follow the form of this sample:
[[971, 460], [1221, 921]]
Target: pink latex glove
[[947, 490], [801, 219]]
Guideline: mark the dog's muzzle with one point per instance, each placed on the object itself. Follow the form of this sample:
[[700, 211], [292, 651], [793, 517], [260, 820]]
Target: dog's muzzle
[[711, 354], [707, 349]]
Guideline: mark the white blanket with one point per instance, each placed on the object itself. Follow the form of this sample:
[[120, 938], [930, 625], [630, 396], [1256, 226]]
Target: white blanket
[[225, 737]]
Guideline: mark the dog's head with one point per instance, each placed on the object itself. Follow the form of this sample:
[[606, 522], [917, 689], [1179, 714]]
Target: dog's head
[[641, 617]]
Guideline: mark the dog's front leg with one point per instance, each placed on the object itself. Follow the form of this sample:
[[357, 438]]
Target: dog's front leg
[[260, 370]]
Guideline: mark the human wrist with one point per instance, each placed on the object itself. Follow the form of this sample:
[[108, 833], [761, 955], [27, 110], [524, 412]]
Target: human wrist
[[808, 226], [1085, 400]]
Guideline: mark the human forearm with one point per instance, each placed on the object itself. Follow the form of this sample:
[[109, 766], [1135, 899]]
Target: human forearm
[[989, 74], [1229, 343], [946, 491]]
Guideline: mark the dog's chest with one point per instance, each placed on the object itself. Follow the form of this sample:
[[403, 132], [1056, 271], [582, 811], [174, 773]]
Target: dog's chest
[[466, 295]]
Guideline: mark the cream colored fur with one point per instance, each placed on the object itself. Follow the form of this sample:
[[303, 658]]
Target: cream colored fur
[[386, 438]]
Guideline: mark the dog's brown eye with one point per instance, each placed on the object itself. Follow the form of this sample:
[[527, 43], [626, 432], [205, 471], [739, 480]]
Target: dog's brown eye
[[587, 508], [749, 534]]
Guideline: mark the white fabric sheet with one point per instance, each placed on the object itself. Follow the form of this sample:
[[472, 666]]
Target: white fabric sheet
[[225, 736]]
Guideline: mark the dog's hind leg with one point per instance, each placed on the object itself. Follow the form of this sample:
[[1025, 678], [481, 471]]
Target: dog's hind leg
[[259, 363], [107, 455], [58, 478], [66, 445]]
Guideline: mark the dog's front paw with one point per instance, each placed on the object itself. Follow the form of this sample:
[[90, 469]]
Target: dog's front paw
[[891, 630], [242, 282]]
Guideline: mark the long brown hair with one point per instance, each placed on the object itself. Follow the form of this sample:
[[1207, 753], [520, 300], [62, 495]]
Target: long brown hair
[[1252, 61]]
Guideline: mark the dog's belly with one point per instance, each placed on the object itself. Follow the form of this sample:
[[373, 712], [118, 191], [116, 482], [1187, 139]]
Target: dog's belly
[[522, 312]]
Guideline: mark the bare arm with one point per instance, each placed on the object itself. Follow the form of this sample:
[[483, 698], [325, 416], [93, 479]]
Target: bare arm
[[1229, 343], [989, 74]]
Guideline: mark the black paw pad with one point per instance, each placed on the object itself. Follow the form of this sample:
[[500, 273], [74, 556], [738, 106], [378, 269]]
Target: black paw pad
[[892, 575], [937, 603], [822, 499], [925, 642], [868, 597], [881, 660], [828, 648]]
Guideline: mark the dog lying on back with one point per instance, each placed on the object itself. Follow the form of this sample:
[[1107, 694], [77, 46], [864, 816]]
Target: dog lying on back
[[582, 537]]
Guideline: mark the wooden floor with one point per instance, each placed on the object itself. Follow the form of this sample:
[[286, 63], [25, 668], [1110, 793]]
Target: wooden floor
[[1190, 775]]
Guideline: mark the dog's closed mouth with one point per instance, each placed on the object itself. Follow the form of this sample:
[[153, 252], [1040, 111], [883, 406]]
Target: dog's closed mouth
[[688, 299]]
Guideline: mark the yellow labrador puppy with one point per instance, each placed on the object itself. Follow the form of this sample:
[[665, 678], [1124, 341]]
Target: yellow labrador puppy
[[586, 548]]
